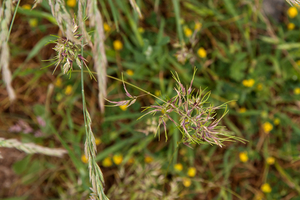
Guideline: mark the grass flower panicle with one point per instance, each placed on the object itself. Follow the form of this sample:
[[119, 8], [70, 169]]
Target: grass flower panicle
[[197, 123], [68, 52]]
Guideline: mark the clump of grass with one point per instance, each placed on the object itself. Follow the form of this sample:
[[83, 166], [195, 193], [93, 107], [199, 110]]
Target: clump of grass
[[197, 117]]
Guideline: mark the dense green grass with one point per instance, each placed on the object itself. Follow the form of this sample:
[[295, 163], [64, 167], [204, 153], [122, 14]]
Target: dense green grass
[[240, 55]]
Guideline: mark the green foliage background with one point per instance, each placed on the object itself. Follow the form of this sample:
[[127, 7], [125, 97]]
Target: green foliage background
[[241, 44]]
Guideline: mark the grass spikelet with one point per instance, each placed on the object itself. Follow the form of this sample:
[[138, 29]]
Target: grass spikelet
[[99, 56], [5, 17], [31, 148], [95, 173], [293, 2], [36, 2], [63, 18], [136, 8]]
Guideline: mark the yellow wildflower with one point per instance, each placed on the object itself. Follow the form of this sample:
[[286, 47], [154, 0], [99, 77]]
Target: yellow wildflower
[[266, 188], [270, 160], [198, 26], [141, 29], [129, 72], [267, 126], [148, 159], [58, 82], [117, 45], [187, 32], [292, 12], [186, 182], [68, 90], [259, 196], [232, 104], [264, 114], [106, 27], [276, 121], [297, 91], [98, 141], [191, 172], [243, 156], [291, 26], [248, 83], [84, 159], [107, 162], [118, 159], [58, 97], [123, 107], [26, 6], [259, 86], [130, 161], [298, 62], [201, 52], [178, 167], [33, 22], [182, 152], [157, 93], [242, 110], [71, 3]]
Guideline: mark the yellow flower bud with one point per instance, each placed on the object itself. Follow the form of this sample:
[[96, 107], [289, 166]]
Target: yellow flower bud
[[117, 45], [243, 157]]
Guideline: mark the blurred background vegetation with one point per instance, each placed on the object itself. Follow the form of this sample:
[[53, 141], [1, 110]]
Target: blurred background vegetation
[[241, 54]]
